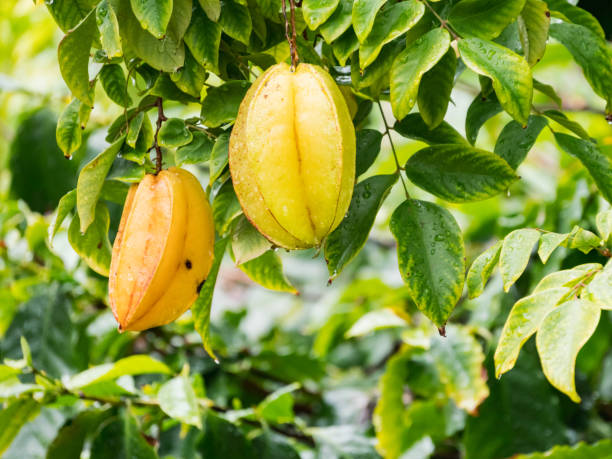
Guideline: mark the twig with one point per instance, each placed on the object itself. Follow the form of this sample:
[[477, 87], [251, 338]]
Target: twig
[[397, 164], [160, 119], [443, 22]]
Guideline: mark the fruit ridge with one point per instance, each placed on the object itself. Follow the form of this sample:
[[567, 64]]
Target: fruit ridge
[[292, 155], [163, 250]]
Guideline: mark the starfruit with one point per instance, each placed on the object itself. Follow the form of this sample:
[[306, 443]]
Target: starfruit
[[292, 155], [163, 250]]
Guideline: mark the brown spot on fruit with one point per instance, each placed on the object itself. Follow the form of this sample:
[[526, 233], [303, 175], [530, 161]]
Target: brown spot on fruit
[[99, 245], [188, 264]]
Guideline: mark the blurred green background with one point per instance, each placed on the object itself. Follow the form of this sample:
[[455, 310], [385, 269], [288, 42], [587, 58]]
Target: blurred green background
[[333, 340]]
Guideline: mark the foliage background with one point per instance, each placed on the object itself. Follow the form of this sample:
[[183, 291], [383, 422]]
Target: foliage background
[[299, 375]]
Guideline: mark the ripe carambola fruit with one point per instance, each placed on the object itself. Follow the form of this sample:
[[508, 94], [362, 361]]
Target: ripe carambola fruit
[[163, 250], [292, 155]]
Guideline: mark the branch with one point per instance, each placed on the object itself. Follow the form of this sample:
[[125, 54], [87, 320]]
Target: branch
[[160, 119]]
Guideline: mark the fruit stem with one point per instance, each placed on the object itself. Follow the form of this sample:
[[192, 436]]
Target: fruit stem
[[291, 37], [160, 119], [398, 170]]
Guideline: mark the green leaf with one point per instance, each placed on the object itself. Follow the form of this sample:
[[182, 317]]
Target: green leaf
[[484, 18], [515, 254], [345, 242], [247, 242], [549, 91], [534, 22], [108, 26], [219, 156], [71, 437], [222, 439], [392, 22], [521, 414], [132, 365], [114, 84], [226, 208], [523, 321], [235, 20], [126, 171], [195, 152], [377, 74], [68, 13], [598, 290], [389, 414], [410, 65], [479, 112], [435, 90], [44, 320], [91, 179], [378, 319], [567, 277], [69, 133], [604, 225], [114, 191], [564, 121], [592, 158], [481, 269], [431, 257], [316, 12], [267, 271], [73, 57], [278, 406], [583, 240], [459, 360], [203, 38], [167, 54], [560, 337], [121, 438], [548, 243], [459, 173], [165, 88], [13, 416], [338, 22], [271, 446], [174, 133], [590, 52], [576, 15], [191, 77], [93, 245], [212, 8], [581, 450], [201, 308], [344, 46], [178, 400], [368, 146], [510, 73], [220, 106], [153, 15], [514, 141], [364, 14], [134, 127], [413, 127]]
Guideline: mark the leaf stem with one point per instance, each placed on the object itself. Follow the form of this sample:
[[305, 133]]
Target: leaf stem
[[443, 22], [397, 164]]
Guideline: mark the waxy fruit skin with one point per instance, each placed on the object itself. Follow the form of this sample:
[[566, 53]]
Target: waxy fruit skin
[[292, 155], [163, 250]]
